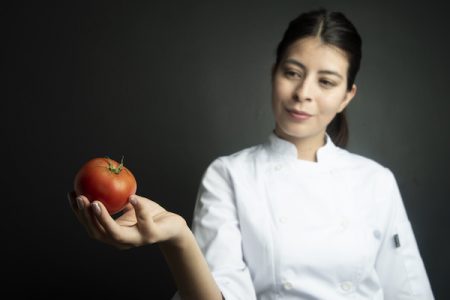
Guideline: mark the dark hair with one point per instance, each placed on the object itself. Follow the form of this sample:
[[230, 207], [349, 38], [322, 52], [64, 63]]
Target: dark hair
[[335, 29]]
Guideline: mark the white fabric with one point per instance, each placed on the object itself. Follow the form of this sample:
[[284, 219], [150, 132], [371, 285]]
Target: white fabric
[[275, 227]]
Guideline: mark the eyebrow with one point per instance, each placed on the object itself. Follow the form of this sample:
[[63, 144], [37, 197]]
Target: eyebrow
[[302, 66]]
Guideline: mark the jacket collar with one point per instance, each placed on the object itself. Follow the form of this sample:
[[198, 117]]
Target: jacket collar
[[284, 149]]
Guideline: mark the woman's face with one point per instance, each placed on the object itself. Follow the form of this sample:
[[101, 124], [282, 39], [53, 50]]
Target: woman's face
[[309, 87]]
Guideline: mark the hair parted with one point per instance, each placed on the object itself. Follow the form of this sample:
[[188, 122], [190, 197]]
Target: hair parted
[[335, 29]]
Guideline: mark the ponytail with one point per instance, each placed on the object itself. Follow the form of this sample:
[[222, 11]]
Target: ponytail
[[338, 130]]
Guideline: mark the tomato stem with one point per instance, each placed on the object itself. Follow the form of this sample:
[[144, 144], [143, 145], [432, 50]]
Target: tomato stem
[[121, 164], [113, 169]]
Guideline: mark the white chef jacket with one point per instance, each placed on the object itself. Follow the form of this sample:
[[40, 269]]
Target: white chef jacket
[[272, 226]]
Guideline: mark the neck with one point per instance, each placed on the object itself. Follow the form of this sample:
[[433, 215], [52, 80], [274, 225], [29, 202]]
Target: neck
[[306, 146]]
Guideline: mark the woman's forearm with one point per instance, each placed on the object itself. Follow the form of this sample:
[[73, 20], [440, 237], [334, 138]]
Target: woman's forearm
[[189, 268]]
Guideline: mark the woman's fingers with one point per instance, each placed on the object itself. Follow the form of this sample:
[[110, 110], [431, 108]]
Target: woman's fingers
[[155, 224], [88, 216], [140, 204], [116, 234], [83, 211], [77, 204], [135, 227], [143, 209]]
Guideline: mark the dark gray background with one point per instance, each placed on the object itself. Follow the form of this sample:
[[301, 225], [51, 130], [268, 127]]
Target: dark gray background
[[174, 84]]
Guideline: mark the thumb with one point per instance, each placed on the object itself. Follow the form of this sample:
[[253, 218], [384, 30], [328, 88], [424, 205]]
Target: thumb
[[139, 207]]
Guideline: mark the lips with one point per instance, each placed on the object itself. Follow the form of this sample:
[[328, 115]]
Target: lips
[[298, 114]]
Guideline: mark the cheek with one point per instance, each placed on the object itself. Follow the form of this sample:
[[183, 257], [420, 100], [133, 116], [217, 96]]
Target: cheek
[[328, 110], [281, 87], [277, 96], [330, 105], [276, 107]]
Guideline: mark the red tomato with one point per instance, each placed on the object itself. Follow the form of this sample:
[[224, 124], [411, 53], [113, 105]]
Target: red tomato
[[107, 181]]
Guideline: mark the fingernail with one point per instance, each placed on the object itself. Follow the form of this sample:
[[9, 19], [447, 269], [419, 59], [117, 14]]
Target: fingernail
[[133, 200], [80, 203], [96, 208]]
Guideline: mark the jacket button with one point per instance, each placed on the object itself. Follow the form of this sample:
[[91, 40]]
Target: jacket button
[[343, 224], [346, 286], [283, 219], [287, 285], [377, 234], [278, 167]]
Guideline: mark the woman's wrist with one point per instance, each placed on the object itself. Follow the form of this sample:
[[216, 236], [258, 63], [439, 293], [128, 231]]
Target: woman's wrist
[[183, 237], [189, 267]]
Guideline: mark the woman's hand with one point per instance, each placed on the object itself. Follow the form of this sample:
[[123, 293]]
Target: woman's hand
[[146, 222], [142, 222]]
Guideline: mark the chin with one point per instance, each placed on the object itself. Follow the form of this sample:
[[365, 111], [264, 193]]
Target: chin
[[296, 133], [291, 132]]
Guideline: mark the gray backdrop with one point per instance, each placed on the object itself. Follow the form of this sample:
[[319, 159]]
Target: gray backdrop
[[174, 84]]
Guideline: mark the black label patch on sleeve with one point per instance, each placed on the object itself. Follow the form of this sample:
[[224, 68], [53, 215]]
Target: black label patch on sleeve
[[396, 240]]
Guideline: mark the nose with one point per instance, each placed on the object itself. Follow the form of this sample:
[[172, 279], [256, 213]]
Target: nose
[[304, 90]]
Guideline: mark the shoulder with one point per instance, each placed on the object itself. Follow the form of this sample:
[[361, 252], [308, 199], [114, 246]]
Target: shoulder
[[363, 166], [237, 162]]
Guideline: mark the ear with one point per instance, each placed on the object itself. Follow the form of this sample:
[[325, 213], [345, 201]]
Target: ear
[[348, 97]]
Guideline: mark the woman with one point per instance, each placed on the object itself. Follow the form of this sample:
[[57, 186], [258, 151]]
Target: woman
[[297, 217]]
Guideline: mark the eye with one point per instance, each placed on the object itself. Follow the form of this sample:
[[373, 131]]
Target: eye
[[327, 83], [292, 74]]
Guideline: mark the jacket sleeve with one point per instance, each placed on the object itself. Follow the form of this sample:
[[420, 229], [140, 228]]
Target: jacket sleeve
[[399, 264], [216, 227]]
